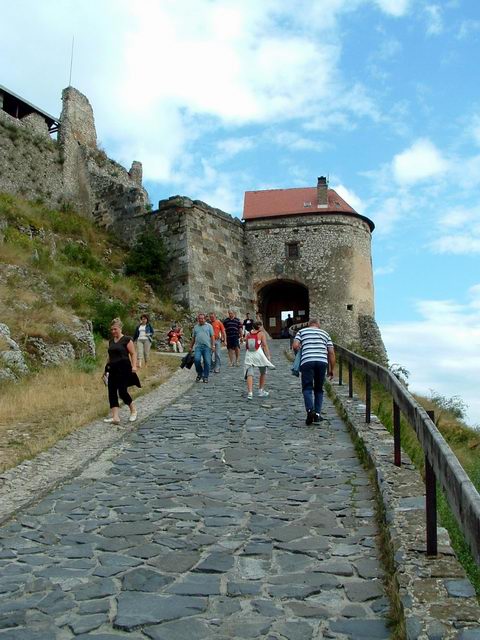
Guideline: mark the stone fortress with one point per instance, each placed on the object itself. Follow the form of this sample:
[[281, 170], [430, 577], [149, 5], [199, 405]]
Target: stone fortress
[[302, 250]]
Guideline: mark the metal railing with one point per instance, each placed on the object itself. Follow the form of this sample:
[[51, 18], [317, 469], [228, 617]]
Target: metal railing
[[441, 464]]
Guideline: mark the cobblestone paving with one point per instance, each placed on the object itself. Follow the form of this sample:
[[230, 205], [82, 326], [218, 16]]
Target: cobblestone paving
[[222, 518]]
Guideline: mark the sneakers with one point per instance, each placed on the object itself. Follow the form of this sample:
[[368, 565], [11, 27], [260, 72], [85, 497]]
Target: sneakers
[[249, 395], [317, 419], [263, 394], [199, 378], [111, 421], [133, 416], [310, 416], [205, 380]]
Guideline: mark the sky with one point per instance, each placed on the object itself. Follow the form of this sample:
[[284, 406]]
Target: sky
[[217, 97]]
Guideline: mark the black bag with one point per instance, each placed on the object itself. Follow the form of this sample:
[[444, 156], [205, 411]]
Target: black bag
[[187, 361]]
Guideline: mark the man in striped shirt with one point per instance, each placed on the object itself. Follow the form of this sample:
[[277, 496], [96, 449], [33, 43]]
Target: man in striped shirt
[[318, 357]]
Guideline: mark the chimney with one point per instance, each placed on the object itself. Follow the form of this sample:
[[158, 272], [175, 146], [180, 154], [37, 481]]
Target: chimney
[[322, 193]]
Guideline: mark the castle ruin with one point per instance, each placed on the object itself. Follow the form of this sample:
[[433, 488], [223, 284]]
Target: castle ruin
[[301, 250]]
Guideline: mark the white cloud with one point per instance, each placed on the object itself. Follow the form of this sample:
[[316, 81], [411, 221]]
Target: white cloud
[[396, 8], [292, 140], [387, 213], [459, 232], [475, 128], [434, 18], [456, 244], [419, 162], [458, 216], [386, 269], [467, 28], [233, 146], [160, 74], [442, 349], [350, 197]]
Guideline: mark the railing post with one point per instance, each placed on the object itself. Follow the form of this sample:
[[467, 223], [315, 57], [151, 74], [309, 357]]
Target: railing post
[[368, 398], [431, 503], [397, 451], [340, 371], [350, 380]]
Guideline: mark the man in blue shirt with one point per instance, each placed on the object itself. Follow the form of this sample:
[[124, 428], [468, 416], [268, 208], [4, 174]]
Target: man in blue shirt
[[203, 341], [234, 330]]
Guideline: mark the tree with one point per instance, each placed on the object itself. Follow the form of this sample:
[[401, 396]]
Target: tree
[[148, 259]]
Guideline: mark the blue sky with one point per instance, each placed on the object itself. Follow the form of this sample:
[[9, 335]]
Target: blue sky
[[218, 97]]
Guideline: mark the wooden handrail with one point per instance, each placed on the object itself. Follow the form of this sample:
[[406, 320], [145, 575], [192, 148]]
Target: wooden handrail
[[461, 494]]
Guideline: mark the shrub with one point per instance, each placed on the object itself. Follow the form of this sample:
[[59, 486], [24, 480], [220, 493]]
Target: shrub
[[148, 259], [81, 254], [104, 312]]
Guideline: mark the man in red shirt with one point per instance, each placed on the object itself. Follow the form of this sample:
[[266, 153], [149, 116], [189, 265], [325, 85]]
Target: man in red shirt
[[219, 337]]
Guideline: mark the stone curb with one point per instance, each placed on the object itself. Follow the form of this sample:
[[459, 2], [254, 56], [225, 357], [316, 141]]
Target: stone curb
[[437, 598], [95, 443]]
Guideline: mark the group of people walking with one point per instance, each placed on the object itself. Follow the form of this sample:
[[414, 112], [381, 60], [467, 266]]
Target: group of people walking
[[313, 346]]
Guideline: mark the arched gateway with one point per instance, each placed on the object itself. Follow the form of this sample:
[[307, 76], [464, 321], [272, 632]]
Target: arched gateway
[[279, 299]]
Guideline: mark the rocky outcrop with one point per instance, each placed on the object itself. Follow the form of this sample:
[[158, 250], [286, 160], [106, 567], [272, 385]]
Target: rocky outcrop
[[371, 339], [12, 361]]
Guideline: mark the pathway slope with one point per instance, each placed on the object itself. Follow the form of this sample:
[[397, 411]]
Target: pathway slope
[[221, 518]]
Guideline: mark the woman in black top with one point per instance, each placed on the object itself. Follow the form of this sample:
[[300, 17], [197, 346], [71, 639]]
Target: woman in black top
[[122, 361]]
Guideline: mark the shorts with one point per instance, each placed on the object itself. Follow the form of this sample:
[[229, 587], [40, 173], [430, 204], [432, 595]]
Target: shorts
[[233, 343], [250, 370]]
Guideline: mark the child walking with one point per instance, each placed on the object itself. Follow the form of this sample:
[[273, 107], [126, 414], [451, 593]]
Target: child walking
[[257, 355]]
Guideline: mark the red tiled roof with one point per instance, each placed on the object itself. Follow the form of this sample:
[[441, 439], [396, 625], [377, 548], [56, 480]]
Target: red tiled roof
[[285, 202]]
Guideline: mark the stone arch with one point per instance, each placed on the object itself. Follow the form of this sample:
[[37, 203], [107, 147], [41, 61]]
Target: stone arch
[[277, 296]]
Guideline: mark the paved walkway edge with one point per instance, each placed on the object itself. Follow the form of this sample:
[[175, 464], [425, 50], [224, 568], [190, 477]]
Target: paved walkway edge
[[96, 443], [438, 600]]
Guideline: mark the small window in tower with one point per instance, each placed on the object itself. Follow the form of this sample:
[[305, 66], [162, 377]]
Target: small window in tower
[[349, 307], [307, 204], [292, 250]]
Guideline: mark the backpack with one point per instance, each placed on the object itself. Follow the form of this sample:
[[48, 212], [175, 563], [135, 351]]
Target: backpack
[[253, 341]]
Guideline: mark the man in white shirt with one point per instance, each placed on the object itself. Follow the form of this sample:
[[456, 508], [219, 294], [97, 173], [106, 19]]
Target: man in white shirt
[[318, 356]]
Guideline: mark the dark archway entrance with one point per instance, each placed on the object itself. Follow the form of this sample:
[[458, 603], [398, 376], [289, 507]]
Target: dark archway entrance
[[277, 299]]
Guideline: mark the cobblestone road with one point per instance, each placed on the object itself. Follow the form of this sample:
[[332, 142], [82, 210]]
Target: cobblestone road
[[223, 518]]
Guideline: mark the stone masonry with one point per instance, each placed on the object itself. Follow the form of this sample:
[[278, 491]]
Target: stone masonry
[[71, 170], [220, 518], [334, 263]]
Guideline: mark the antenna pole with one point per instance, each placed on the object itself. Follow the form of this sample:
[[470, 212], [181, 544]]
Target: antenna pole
[[71, 63]]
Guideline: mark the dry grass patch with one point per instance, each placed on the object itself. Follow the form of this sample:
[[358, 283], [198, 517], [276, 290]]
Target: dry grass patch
[[39, 411]]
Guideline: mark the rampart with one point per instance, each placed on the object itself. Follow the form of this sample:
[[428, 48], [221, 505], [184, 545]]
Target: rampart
[[71, 170], [206, 249]]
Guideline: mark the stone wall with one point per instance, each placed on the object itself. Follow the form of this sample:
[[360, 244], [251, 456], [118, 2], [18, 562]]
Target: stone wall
[[334, 263], [71, 170], [31, 163], [206, 250]]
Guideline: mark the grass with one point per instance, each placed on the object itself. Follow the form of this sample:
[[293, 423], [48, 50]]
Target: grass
[[463, 440], [55, 402], [63, 261]]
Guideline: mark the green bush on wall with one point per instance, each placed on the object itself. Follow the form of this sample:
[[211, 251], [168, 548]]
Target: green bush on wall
[[148, 259]]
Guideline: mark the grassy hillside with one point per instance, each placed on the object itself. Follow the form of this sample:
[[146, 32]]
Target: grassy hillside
[[61, 264], [56, 266]]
